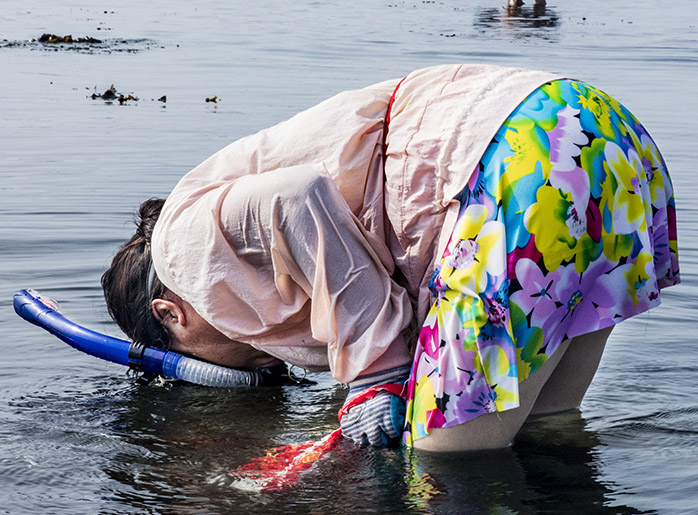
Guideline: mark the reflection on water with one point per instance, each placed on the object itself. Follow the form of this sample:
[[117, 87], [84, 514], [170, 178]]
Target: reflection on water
[[553, 467], [519, 21], [153, 449]]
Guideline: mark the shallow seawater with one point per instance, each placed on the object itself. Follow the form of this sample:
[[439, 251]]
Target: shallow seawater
[[79, 436]]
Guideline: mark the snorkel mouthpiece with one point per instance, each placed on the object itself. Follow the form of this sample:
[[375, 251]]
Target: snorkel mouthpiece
[[45, 313]]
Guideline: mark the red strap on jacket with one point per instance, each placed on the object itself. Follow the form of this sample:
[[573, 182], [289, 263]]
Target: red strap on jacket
[[387, 116]]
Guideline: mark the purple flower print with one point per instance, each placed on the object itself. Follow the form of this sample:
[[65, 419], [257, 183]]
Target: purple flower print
[[483, 402], [566, 141], [660, 243], [584, 302], [536, 297]]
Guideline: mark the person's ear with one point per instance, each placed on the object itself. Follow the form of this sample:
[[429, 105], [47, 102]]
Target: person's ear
[[168, 313]]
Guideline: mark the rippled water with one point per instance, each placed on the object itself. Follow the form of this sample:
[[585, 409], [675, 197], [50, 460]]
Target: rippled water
[[77, 436]]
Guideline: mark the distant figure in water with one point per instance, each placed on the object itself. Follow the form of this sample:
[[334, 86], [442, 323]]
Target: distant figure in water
[[469, 233], [517, 3]]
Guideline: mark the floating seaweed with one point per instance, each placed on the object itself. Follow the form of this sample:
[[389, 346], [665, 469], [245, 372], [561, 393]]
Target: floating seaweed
[[122, 99], [49, 42], [111, 94], [52, 39]]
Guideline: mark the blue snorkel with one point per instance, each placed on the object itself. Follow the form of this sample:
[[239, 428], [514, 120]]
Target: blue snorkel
[[45, 313]]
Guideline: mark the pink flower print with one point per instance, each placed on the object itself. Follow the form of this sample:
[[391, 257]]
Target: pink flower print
[[435, 418], [430, 340], [463, 255], [498, 306], [438, 289], [496, 314], [576, 222], [594, 222], [529, 252]]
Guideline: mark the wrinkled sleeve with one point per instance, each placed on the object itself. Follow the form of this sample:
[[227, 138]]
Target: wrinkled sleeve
[[318, 252], [284, 265]]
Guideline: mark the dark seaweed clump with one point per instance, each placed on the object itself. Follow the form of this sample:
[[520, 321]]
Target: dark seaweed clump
[[111, 94], [84, 45], [52, 39]]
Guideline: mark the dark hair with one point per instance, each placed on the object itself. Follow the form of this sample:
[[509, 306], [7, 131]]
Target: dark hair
[[125, 283]]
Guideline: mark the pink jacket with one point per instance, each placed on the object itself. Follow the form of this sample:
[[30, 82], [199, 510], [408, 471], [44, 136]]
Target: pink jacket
[[289, 239]]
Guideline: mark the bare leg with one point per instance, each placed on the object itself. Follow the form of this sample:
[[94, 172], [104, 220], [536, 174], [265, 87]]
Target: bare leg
[[493, 430], [571, 378]]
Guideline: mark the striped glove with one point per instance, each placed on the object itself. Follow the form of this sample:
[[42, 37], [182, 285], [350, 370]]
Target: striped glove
[[377, 421]]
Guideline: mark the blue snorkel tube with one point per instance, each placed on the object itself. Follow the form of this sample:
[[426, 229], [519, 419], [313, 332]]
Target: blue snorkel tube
[[45, 313]]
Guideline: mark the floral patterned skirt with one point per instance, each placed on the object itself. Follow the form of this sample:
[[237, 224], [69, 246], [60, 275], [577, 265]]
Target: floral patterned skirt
[[567, 226]]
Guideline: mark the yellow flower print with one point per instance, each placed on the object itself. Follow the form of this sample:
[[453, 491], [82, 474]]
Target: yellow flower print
[[637, 275], [479, 250], [499, 371], [528, 144], [560, 229], [650, 157], [422, 404], [622, 189], [601, 106], [615, 106]]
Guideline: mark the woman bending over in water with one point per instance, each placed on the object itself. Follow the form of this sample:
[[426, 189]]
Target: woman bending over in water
[[512, 217]]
